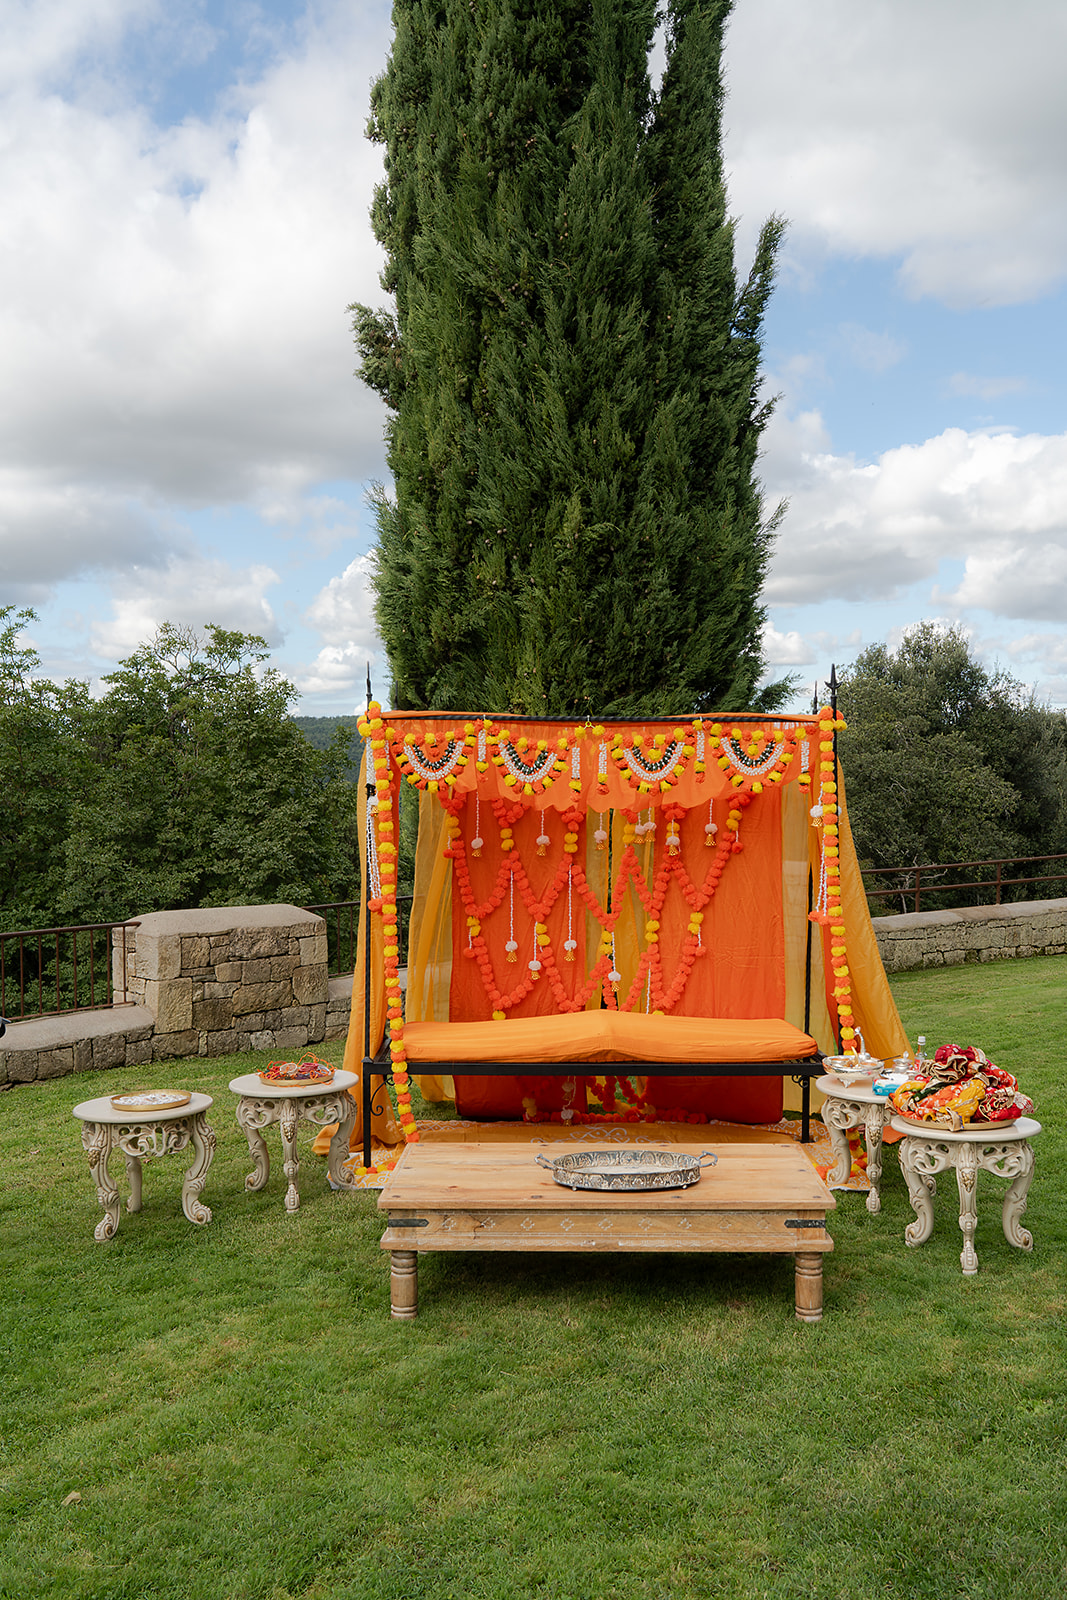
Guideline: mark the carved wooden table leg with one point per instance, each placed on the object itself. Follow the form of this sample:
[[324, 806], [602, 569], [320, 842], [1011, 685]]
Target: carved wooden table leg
[[915, 1165], [873, 1123], [203, 1141], [809, 1285], [252, 1116], [338, 1151], [1015, 1199], [967, 1182], [135, 1177], [288, 1117], [96, 1141], [404, 1284]]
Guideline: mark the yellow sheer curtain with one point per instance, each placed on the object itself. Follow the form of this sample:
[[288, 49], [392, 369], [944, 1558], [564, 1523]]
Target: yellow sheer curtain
[[872, 999], [430, 937]]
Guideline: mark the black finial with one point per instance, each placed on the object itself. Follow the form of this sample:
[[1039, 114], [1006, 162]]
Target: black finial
[[815, 699], [368, 689], [832, 686]]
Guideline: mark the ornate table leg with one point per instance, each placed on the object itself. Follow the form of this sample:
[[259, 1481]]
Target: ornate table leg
[[203, 1141], [838, 1116], [873, 1123], [288, 1117], [96, 1142], [404, 1284], [251, 1116], [808, 1286], [967, 1181], [916, 1160], [339, 1144], [1022, 1155], [134, 1174]]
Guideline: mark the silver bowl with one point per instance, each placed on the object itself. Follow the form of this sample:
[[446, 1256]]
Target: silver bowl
[[627, 1169]]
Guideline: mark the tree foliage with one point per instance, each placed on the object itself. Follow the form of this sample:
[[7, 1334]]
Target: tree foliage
[[947, 761], [572, 366], [186, 783]]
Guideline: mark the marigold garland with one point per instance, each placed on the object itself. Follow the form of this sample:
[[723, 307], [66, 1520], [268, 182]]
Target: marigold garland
[[825, 816]]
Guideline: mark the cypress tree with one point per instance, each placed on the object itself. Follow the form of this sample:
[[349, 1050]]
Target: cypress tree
[[572, 368]]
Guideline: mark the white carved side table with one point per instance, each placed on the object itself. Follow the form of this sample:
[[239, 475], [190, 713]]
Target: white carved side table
[[853, 1106], [1002, 1148], [141, 1135], [262, 1104]]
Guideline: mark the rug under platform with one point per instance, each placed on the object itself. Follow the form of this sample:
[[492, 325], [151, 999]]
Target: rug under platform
[[656, 1134]]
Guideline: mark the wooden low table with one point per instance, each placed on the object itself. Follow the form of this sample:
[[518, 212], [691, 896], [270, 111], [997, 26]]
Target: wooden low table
[[759, 1197]]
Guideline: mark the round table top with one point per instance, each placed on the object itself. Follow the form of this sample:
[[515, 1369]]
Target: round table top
[[974, 1133], [252, 1084], [830, 1084], [101, 1110]]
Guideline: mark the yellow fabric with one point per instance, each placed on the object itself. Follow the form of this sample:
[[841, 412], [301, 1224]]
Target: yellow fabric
[[608, 1036], [384, 1126], [430, 941], [872, 999]]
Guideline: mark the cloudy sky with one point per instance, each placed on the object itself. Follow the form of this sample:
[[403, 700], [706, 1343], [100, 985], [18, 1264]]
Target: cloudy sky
[[186, 186]]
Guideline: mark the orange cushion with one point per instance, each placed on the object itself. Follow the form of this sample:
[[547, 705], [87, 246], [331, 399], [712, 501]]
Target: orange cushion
[[608, 1036]]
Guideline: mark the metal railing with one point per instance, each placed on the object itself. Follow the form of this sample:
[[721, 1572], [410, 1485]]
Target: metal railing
[[909, 884], [45, 972], [342, 932]]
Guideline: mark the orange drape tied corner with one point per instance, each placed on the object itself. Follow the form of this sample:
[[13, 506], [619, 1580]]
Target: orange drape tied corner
[[661, 871]]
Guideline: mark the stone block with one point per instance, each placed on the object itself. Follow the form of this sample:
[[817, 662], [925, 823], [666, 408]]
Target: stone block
[[311, 984], [250, 943], [159, 956], [171, 1003], [83, 1054], [316, 1023], [220, 991], [282, 967], [20, 1065], [138, 1052], [55, 1063], [168, 1046], [263, 1039], [211, 1015], [290, 1038], [223, 1043], [109, 1051], [252, 997], [257, 971], [229, 971], [196, 952], [314, 950]]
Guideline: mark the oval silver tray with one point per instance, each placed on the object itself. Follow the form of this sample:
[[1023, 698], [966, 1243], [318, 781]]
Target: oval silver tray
[[627, 1169]]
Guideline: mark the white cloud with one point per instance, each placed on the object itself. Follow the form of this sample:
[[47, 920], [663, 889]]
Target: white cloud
[[786, 649], [995, 502], [343, 612], [188, 590], [930, 130], [172, 301], [968, 383], [873, 352]]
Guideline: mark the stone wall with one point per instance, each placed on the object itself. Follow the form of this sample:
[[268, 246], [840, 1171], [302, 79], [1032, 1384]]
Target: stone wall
[[201, 983], [973, 934]]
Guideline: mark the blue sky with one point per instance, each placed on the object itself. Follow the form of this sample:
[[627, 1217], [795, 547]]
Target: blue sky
[[181, 437]]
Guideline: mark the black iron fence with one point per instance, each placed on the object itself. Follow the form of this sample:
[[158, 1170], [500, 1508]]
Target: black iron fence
[[946, 885], [47, 971]]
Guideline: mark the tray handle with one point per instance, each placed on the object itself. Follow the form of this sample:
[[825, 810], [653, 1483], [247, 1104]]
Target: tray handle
[[543, 1161], [711, 1161]]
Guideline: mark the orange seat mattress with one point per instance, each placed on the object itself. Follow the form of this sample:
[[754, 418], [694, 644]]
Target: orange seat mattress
[[607, 1036]]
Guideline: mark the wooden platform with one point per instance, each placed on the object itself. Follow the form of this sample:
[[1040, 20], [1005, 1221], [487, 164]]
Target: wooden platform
[[759, 1197]]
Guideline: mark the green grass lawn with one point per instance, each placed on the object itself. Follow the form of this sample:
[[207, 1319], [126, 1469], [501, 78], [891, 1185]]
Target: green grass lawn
[[243, 1420]]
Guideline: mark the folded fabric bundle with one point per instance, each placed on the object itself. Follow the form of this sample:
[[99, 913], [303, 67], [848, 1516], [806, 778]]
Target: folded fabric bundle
[[963, 1086]]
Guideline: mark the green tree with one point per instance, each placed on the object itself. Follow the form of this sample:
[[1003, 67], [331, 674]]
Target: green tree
[[947, 761], [202, 790], [42, 768], [572, 367]]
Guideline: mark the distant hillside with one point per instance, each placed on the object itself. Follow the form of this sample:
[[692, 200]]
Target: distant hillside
[[318, 731]]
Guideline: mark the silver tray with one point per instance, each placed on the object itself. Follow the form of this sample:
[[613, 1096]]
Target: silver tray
[[628, 1169]]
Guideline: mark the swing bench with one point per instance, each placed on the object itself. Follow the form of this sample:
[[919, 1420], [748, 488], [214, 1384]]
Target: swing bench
[[666, 911]]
